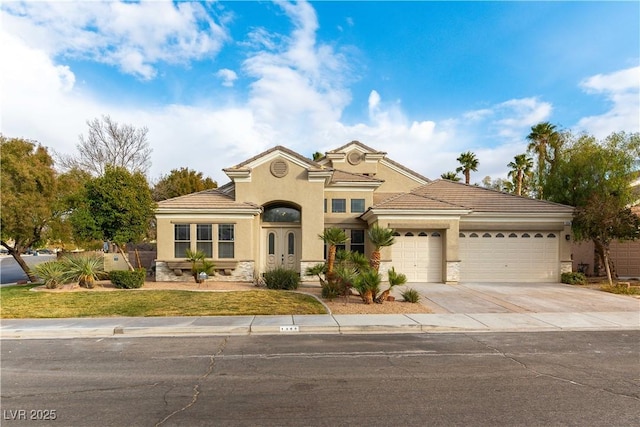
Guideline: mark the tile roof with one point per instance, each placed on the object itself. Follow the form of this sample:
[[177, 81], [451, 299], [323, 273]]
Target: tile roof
[[292, 153], [410, 201], [207, 199], [344, 176], [481, 199]]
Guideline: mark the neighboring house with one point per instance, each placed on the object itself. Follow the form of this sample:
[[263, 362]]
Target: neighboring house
[[278, 202]]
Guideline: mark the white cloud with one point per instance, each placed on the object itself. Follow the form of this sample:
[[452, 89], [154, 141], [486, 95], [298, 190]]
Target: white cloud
[[622, 90], [227, 76], [132, 36], [299, 89]]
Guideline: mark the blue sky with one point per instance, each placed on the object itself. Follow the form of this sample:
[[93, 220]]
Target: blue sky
[[218, 82]]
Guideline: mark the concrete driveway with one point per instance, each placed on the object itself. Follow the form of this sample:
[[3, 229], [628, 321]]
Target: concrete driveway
[[520, 298]]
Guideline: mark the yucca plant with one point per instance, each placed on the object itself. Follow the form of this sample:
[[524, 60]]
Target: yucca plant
[[411, 295], [395, 279], [380, 237], [367, 284], [53, 273], [85, 269]]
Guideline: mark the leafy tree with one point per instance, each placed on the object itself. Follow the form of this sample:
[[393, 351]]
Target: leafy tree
[[498, 184], [109, 143], [28, 197], [115, 207], [521, 169], [180, 182], [451, 176], [317, 156], [542, 137], [70, 190], [468, 163], [595, 177], [380, 237]]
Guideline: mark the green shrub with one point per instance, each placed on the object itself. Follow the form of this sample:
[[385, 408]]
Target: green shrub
[[411, 295], [53, 273], [85, 269], [621, 289], [282, 278], [126, 279], [332, 290], [573, 278]]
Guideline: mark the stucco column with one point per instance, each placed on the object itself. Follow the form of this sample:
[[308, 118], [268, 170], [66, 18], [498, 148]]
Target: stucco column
[[452, 253]]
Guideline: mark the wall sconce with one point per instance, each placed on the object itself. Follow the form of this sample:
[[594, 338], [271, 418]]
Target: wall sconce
[[567, 237]]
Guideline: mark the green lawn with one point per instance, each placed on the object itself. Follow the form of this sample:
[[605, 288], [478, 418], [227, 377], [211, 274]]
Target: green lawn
[[18, 302]]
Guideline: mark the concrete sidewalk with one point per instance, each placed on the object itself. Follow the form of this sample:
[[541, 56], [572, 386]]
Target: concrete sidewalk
[[317, 324], [470, 307]]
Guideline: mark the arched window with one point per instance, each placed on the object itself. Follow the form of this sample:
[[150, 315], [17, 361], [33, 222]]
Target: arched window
[[281, 213], [423, 234], [408, 234], [513, 235], [551, 236], [538, 236], [500, 235], [435, 234], [473, 235], [461, 235], [485, 235], [525, 235]]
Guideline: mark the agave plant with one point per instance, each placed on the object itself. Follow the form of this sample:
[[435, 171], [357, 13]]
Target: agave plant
[[53, 273], [85, 269]]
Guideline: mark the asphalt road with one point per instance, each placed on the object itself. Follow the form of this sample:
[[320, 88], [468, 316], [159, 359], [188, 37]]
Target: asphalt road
[[508, 379], [10, 271]]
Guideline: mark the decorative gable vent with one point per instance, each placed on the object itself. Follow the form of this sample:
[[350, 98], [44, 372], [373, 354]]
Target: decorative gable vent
[[354, 158], [279, 168]]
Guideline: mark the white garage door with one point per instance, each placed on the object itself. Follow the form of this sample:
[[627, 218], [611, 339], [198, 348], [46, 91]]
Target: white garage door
[[418, 255], [509, 256]]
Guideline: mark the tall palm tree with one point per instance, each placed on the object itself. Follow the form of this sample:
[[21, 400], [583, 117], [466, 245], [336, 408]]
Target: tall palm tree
[[451, 176], [468, 162], [333, 237], [543, 136], [521, 167], [380, 237]]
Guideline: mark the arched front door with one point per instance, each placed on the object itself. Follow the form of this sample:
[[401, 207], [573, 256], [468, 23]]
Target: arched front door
[[282, 248], [281, 236]]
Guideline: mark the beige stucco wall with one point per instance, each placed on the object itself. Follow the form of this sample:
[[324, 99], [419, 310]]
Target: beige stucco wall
[[263, 188]]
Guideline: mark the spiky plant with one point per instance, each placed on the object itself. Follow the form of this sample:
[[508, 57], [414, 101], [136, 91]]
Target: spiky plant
[[380, 237], [395, 279], [85, 269], [53, 273], [332, 236], [368, 285]]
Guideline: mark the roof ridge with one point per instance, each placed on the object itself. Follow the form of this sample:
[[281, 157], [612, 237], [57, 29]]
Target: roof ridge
[[282, 148]]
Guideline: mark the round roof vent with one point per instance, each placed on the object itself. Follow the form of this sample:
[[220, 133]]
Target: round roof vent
[[354, 158], [279, 168]]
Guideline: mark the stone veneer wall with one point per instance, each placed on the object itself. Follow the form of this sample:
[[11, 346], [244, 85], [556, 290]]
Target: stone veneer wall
[[566, 267], [453, 272], [242, 273]]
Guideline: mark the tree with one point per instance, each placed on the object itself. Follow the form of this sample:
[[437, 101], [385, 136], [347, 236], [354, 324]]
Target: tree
[[451, 176], [542, 137], [332, 237], [499, 184], [317, 156], [109, 143], [595, 177], [116, 207], [468, 163], [180, 182], [380, 237], [521, 168], [70, 190], [28, 196]]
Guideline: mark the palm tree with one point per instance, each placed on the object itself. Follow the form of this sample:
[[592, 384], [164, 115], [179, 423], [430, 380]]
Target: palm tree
[[469, 162], [380, 237], [333, 237], [395, 279], [451, 176], [520, 168], [542, 136]]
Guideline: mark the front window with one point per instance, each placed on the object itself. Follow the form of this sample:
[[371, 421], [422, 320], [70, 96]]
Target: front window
[[357, 241], [204, 242], [226, 238], [338, 205], [357, 205], [281, 214], [182, 240]]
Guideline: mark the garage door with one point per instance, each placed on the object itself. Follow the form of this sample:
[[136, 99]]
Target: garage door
[[626, 256], [418, 255], [509, 256]]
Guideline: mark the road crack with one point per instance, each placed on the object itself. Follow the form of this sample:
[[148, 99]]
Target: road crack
[[554, 377], [196, 386]]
